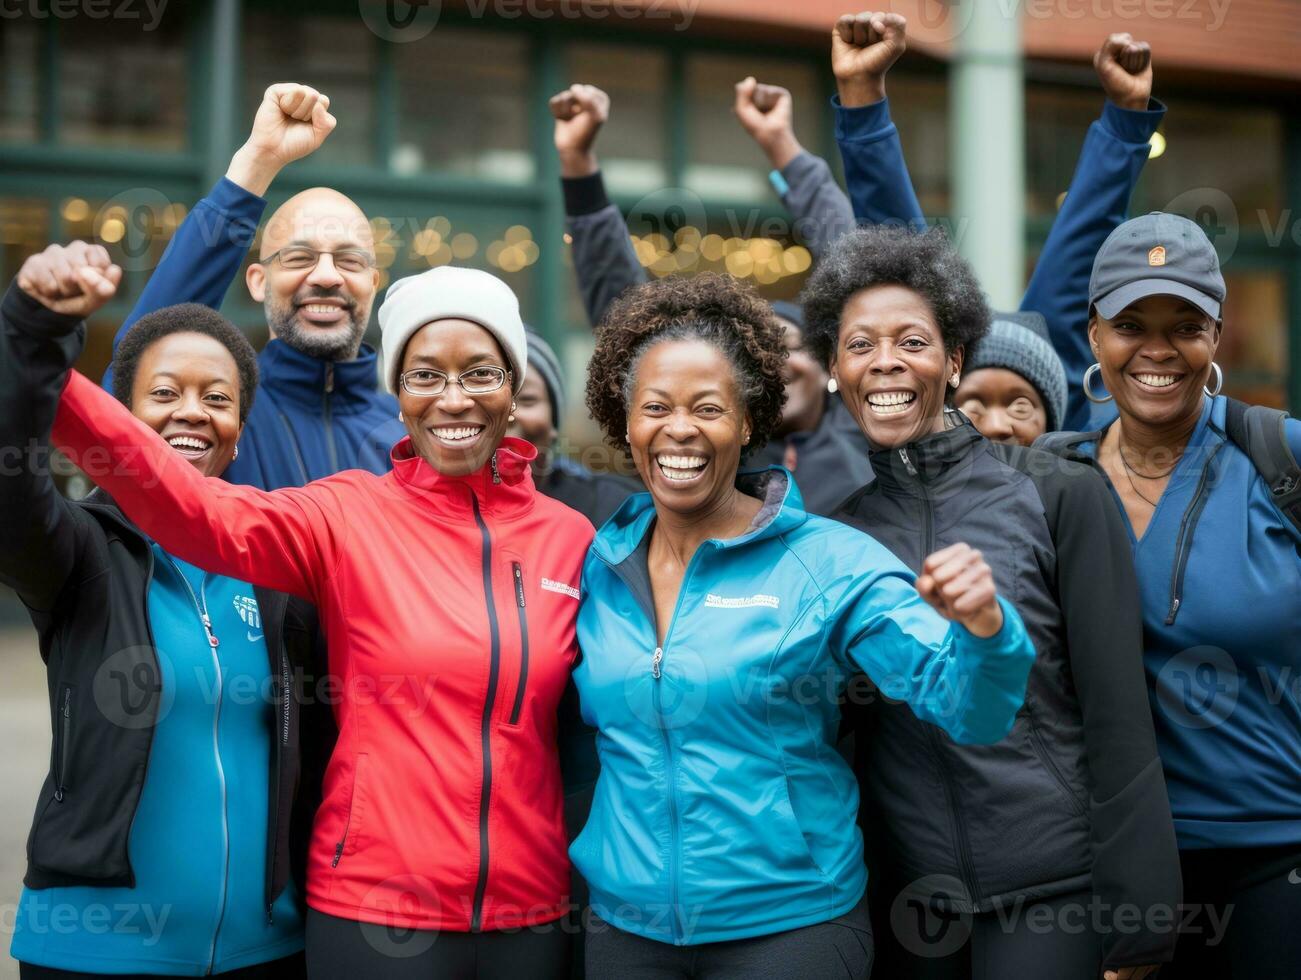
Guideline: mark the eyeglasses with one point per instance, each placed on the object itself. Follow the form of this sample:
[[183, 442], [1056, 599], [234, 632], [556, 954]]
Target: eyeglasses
[[476, 381], [297, 258]]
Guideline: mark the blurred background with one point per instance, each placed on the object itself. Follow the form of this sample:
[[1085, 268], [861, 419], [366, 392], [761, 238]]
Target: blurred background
[[117, 115]]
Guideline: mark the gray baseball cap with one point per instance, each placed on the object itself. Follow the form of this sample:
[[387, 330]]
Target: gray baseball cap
[[1158, 254]]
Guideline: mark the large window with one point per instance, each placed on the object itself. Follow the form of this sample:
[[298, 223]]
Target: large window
[[19, 46]]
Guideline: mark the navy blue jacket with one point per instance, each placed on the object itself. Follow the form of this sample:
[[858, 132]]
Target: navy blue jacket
[[311, 418], [1110, 161]]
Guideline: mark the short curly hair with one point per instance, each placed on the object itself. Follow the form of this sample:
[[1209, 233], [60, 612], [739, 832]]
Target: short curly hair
[[925, 262], [184, 318], [713, 308]]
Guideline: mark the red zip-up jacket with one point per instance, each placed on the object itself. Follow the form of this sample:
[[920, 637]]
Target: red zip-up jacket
[[449, 606]]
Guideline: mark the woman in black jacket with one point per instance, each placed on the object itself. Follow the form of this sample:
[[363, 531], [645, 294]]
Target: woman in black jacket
[[1051, 852], [177, 791]]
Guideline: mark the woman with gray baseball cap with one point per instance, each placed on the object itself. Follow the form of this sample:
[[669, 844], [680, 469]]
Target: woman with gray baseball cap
[[1218, 562]]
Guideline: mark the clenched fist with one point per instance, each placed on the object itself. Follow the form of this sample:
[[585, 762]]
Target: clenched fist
[[958, 583], [74, 279], [292, 121], [580, 111], [1124, 67], [767, 114], [863, 47]]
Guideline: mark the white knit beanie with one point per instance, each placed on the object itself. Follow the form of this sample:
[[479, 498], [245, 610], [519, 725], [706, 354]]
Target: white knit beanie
[[447, 293]]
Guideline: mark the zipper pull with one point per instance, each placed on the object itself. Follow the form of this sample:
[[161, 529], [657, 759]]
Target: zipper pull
[[338, 853], [1174, 610], [496, 476], [207, 628], [908, 463], [329, 378], [655, 662], [519, 584], [270, 917]]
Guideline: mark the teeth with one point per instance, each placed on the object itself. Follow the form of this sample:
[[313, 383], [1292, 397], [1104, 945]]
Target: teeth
[[1157, 380], [681, 462], [891, 399], [461, 434], [186, 442], [321, 308]]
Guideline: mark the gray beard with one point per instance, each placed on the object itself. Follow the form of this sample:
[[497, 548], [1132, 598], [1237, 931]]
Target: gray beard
[[333, 346]]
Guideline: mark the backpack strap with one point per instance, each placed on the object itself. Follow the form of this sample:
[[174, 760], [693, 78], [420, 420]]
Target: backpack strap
[[1064, 444], [1258, 431]]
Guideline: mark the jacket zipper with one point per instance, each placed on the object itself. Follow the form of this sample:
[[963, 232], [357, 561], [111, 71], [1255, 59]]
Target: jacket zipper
[[200, 602], [1183, 544], [329, 418], [298, 453], [932, 734], [65, 737], [1040, 748], [347, 820], [275, 808], [485, 724], [524, 642]]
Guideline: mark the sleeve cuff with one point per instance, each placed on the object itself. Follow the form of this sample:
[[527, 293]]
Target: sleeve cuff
[[584, 195], [25, 312], [1007, 636], [779, 185], [1132, 125], [866, 123]]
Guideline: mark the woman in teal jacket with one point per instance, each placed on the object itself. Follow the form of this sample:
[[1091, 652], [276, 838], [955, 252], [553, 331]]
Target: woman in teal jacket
[[719, 625]]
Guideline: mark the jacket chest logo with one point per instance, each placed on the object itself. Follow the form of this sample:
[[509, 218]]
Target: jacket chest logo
[[551, 585], [741, 602], [247, 608]]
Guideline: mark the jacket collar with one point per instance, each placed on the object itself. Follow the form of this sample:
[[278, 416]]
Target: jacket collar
[[782, 511], [502, 487], [294, 376], [929, 458]]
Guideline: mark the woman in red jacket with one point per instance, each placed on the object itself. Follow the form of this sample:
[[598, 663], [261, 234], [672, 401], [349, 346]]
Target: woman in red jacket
[[448, 591]]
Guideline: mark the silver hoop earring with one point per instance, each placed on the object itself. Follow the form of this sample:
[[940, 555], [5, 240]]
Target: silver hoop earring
[[511, 416], [1094, 368], [1219, 381], [832, 385], [235, 455], [955, 380]]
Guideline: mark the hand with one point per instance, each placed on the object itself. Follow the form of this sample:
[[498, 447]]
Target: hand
[[766, 113], [1124, 67], [292, 121], [960, 586], [74, 279], [863, 47], [580, 112], [1130, 973]]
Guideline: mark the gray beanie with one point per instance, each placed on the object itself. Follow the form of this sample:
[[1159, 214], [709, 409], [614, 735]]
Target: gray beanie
[[1019, 342], [543, 360]]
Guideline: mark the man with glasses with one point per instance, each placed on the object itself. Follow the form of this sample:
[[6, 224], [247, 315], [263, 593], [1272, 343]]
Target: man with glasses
[[319, 400]]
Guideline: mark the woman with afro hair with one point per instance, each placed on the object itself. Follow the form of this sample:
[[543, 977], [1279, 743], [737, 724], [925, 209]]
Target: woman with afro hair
[[1067, 815], [719, 624]]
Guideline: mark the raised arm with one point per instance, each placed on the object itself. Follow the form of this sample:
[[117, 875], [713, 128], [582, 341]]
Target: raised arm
[[1097, 201], [604, 260], [820, 210], [288, 540], [863, 47], [41, 335], [206, 252], [967, 676]]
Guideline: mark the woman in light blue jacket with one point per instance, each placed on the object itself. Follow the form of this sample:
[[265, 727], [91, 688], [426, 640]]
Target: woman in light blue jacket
[[719, 625]]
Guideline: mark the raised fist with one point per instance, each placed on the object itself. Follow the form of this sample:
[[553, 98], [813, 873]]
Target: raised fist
[[291, 122], [959, 585], [74, 279], [1124, 67], [580, 111], [766, 113], [863, 47]]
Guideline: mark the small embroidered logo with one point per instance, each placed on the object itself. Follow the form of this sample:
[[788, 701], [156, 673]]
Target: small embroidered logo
[[248, 611], [741, 602], [551, 585], [1156, 256]]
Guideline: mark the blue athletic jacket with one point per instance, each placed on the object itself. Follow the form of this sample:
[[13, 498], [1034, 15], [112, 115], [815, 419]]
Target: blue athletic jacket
[[723, 810], [311, 418], [1111, 159], [1219, 569]]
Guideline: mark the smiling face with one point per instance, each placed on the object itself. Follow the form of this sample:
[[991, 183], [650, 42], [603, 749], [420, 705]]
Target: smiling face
[[533, 422], [890, 365], [686, 425], [806, 384], [321, 311], [454, 432], [1003, 405], [186, 388], [1156, 357]]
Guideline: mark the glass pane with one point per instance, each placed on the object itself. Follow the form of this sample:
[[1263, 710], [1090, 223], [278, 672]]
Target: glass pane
[[1235, 151], [122, 85], [333, 54], [725, 162], [24, 231], [463, 98], [631, 147], [1056, 121], [19, 78], [1253, 349], [919, 106]]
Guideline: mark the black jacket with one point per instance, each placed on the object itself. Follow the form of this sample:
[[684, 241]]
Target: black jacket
[[1074, 798], [83, 571]]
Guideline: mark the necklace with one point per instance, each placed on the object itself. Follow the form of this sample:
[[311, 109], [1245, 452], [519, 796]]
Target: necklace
[[1151, 503], [1125, 463]]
